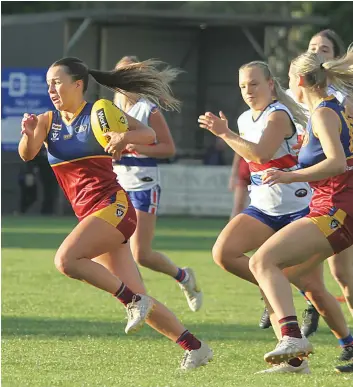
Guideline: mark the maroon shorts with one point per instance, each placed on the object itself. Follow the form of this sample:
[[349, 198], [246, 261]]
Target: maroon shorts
[[119, 212], [243, 175], [336, 226]]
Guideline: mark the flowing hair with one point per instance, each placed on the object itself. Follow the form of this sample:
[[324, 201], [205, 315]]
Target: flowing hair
[[298, 112], [141, 78], [316, 71]]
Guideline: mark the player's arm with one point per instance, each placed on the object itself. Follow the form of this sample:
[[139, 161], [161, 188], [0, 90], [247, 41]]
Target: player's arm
[[34, 132], [326, 126], [138, 133], [278, 127], [165, 145], [234, 172]]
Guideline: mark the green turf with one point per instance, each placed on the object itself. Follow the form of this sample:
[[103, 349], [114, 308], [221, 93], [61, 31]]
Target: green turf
[[59, 332]]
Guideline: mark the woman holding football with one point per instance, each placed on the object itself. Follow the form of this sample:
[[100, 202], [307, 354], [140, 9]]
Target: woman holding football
[[106, 216]]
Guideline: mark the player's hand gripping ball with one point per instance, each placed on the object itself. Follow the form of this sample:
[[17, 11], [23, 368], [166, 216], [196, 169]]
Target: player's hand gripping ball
[[105, 118]]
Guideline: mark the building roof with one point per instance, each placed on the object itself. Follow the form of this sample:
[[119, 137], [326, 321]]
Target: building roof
[[163, 17]]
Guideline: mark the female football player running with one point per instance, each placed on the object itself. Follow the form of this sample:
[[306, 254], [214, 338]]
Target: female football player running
[[106, 216], [267, 135], [138, 174]]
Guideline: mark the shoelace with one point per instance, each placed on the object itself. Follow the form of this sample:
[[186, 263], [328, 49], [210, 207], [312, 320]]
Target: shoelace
[[286, 343], [130, 308], [130, 313], [307, 315], [188, 290], [185, 358]]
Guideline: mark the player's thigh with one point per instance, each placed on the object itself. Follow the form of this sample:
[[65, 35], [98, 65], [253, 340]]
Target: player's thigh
[[242, 234], [146, 204], [90, 238], [301, 244], [121, 263]]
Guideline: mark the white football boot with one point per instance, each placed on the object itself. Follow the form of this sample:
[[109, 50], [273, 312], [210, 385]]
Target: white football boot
[[285, 368], [138, 312], [289, 348], [192, 292], [197, 357]]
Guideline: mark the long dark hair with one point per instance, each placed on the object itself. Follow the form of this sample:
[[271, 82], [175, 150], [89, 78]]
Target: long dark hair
[[334, 38], [142, 78]]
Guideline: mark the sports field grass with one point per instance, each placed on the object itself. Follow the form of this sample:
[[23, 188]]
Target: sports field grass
[[60, 332]]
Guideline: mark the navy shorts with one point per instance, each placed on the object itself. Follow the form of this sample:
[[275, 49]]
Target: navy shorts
[[275, 222], [146, 201]]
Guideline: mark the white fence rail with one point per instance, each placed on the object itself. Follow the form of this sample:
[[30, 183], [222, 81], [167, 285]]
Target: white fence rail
[[195, 190]]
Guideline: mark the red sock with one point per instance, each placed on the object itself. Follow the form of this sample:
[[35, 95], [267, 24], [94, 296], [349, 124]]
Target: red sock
[[188, 341], [289, 327], [125, 295]]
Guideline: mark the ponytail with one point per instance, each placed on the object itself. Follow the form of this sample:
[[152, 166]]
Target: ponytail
[[340, 73], [317, 73], [298, 112], [142, 79]]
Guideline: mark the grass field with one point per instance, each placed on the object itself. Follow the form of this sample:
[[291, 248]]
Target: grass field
[[60, 332]]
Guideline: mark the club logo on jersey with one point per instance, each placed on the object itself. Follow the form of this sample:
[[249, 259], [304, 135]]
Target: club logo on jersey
[[123, 120], [81, 128], [334, 224], [103, 122], [56, 126], [119, 213], [54, 136], [301, 193]]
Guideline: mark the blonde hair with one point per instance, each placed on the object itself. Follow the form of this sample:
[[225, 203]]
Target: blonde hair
[[143, 79], [279, 93], [127, 60], [317, 72]]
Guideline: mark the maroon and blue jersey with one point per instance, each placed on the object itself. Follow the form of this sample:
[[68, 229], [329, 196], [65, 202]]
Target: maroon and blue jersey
[[82, 167], [335, 192]]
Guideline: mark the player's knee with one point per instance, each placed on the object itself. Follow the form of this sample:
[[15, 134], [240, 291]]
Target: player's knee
[[257, 264], [219, 254], [341, 276], [142, 257], [224, 253], [64, 264]]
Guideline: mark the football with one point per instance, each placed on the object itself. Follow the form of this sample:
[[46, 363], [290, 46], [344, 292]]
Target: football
[[106, 117]]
